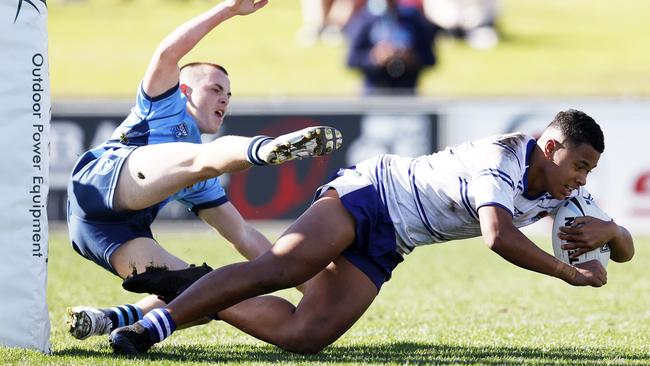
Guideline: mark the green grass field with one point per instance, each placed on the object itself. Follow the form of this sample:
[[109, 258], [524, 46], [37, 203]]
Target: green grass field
[[100, 48], [450, 304]]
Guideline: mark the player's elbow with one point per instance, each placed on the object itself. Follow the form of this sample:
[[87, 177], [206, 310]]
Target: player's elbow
[[167, 53], [496, 241], [492, 240], [621, 256], [622, 247]]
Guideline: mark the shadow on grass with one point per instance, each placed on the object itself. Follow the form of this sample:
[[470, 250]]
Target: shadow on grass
[[396, 353]]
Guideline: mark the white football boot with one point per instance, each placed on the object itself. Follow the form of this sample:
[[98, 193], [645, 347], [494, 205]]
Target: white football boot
[[84, 321], [308, 142]]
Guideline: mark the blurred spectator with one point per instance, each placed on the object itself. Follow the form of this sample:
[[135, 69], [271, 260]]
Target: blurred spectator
[[391, 44], [323, 20], [471, 20]]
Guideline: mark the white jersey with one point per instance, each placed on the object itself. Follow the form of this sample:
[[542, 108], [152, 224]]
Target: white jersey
[[435, 198]]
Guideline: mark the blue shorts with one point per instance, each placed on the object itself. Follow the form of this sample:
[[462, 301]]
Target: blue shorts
[[374, 250], [96, 230]]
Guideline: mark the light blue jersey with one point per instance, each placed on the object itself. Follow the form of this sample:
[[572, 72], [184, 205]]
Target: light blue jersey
[[96, 229], [157, 120], [160, 120]]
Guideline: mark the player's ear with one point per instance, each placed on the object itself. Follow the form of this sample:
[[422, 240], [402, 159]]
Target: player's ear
[[186, 90], [550, 147]]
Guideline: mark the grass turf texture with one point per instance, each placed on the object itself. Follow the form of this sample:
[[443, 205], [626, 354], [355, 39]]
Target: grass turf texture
[[100, 48], [456, 303]]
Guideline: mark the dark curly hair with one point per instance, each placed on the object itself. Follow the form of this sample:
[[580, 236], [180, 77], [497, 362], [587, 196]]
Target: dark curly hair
[[578, 128]]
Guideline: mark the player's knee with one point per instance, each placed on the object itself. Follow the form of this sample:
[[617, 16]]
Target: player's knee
[[202, 170], [306, 341]]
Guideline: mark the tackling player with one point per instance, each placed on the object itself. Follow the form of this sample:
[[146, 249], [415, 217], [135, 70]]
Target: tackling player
[[156, 156], [364, 220]]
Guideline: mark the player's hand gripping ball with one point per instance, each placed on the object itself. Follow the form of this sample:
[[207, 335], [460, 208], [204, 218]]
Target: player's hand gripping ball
[[567, 212]]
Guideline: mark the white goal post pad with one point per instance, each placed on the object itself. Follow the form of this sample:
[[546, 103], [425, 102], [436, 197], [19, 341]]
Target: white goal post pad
[[24, 165]]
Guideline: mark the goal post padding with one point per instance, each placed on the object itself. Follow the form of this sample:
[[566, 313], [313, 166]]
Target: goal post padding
[[24, 161]]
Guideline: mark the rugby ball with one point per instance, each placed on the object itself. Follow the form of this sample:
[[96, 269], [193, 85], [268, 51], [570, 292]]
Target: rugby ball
[[566, 213]]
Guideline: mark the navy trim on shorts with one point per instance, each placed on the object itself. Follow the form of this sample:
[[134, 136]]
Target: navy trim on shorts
[[374, 249]]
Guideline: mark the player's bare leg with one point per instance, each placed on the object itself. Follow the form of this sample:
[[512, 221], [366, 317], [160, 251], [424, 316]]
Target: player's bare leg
[[308, 246], [317, 238], [154, 172], [333, 301], [134, 255], [140, 253]]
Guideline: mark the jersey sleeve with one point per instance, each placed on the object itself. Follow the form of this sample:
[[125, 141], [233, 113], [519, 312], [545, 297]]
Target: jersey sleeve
[[167, 104], [496, 177], [206, 194]]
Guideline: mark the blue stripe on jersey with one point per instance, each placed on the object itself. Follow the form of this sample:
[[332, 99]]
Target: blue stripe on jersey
[[509, 149], [547, 208], [495, 204], [379, 174], [498, 174], [464, 197], [529, 153], [420, 207]]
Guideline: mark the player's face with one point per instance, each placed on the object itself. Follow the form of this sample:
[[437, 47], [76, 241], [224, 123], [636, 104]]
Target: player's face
[[571, 165], [209, 100]]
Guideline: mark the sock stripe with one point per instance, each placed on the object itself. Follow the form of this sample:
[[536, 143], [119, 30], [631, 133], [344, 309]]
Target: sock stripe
[[135, 313], [168, 327], [151, 323], [159, 323], [120, 317], [128, 312], [253, 147], [159, 326], [139, 312], [125, 315]]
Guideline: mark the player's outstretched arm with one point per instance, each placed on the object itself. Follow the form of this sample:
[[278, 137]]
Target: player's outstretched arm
[[231, 225], [587, 233], [163, 71], [500, 234]]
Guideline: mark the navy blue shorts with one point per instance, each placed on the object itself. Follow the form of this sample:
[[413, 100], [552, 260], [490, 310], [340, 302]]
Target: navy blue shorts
[[96, 230], [374, 250]]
